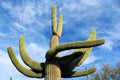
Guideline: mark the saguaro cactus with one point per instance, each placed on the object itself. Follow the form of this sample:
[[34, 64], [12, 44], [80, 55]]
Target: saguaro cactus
[[57, 66]]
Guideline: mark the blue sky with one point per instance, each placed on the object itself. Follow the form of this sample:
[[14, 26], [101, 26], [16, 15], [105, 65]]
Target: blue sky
[[33, 19]]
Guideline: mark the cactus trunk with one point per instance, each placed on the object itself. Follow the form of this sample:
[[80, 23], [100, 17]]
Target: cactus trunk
[[52, 71], [52, 68]]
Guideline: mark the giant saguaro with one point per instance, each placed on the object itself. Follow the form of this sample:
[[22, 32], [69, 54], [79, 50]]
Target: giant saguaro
[[57, 66]]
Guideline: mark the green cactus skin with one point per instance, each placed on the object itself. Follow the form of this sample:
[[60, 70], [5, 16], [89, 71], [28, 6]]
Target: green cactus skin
[[78, 73], [56, 66], [37, 66], [21, 68]]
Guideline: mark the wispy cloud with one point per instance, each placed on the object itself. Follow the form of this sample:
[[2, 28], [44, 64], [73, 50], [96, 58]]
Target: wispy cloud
[[38, 51], [111, 39], [24, 13], [108, 44], [91, 2], [90, 59], [2, 34], [20, 27]]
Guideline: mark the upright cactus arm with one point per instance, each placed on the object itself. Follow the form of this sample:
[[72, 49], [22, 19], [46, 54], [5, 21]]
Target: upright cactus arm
[[37, 66], [73, 45], [56, 30], [21, 68], [60, 23], [54, 23], [78, 73]]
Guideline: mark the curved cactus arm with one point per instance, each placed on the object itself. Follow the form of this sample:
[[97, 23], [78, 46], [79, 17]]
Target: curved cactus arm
[[78, 73], [81, 53], [73, 45], [20, 67], [91, 37], [27, 60], [54, 23], [56, 30], [78, 61], [60, 23]]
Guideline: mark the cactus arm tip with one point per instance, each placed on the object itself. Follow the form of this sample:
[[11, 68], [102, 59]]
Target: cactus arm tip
[[54, 24], [78, 73], [83, 72], [20, 67], [60, 23], [27, 60]]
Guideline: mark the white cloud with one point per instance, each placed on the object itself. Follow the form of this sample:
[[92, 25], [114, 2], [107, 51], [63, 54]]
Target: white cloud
[[91, 2], [25, 13], [6, 5], [115, 32], [18, 26], [108, 44], [37, 52], [90, 59], [73, 6], [2, 34], [112, 37]]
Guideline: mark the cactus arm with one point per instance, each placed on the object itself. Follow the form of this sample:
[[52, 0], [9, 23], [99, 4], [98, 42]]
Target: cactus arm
[[81, 53], [78, 73], [60, 22], [81, 60], [27, 60], [21, 68], [73, 45], [78, 61], [54, 13], [56, 30], [91, 37]]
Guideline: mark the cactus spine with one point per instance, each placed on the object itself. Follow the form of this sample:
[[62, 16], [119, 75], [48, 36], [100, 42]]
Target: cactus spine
[[56, 66]]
